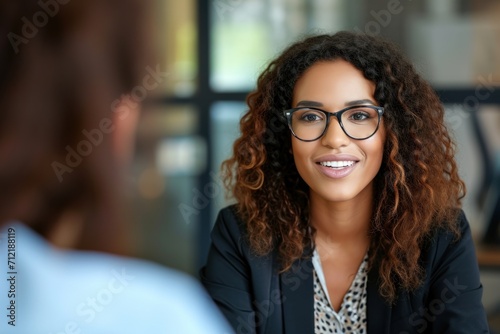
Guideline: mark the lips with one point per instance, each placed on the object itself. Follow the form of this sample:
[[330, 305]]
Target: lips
[[337, 166]]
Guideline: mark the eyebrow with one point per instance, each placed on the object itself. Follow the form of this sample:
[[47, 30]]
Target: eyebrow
[[306, 103], [357, 102]]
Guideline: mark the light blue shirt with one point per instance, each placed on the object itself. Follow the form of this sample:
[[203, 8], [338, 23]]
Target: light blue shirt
[[50, 291]]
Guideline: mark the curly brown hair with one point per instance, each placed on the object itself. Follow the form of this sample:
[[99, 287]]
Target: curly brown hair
[[417, 189]]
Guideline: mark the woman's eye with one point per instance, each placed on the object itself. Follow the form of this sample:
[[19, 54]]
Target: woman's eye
[[311, 117], [359, 116]]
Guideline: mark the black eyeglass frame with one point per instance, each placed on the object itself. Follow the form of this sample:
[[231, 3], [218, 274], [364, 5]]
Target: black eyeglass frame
[[338, 114]]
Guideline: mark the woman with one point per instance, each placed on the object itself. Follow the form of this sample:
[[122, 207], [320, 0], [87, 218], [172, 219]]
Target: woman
[[348, 197]]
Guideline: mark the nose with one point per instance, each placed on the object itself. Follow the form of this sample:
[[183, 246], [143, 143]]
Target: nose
[[334, 136]]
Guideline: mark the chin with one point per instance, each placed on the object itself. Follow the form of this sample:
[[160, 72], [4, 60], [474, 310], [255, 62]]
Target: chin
[[335, 196], [342, 193]]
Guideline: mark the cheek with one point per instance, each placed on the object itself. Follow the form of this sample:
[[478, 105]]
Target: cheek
[[375, 151]]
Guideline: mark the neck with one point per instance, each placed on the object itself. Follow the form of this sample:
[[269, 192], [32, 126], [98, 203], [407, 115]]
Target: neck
[[342, 223]]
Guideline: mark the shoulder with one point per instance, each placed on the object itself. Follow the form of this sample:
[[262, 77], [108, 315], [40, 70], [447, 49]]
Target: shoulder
[[452, 282], [154, 298], [444, 238], [230, 248], [229, 226], [229, 218], [92, 291], [446, 249]]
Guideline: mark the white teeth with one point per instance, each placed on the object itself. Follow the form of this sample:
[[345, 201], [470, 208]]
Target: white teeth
[[337, 164]]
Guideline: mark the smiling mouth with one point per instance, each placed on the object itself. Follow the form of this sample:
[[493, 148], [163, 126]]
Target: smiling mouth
[[337, 164]]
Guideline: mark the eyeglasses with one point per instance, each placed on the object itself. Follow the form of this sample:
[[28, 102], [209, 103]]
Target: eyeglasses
[[357, 122]]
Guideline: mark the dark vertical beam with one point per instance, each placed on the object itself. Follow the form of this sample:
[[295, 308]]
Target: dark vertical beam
[[461, 96], [204, 101]]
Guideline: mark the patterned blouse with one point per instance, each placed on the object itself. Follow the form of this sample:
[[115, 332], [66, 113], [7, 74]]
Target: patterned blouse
[[351, 318]]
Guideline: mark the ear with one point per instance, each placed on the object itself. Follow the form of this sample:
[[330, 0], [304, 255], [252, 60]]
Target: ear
[[126, 117]]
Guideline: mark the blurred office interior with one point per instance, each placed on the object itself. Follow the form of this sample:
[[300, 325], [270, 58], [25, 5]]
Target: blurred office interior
[[213, 51]]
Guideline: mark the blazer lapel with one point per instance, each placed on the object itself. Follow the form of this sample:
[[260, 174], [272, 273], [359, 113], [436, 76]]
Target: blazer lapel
[[298, 298], [379, 311]]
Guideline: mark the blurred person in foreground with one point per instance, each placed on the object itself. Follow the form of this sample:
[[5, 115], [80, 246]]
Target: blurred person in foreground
[[66, 132]]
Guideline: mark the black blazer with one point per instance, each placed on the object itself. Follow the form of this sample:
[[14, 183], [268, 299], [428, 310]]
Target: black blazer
[[256, 298]]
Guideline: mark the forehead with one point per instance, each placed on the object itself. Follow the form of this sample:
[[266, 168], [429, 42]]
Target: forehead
[[332, 82]]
